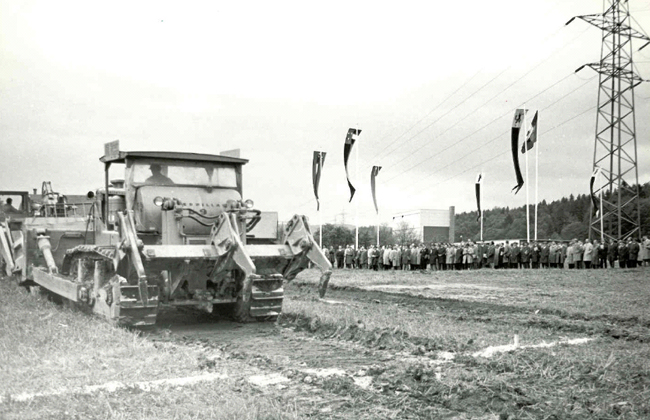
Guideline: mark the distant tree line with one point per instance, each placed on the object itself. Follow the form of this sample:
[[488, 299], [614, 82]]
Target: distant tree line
[[566, 218]]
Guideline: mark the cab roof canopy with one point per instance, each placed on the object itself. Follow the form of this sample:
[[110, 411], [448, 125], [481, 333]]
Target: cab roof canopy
[[121, 157]]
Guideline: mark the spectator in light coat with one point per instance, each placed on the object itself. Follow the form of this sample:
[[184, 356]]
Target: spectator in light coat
[[594, 255], [587, 252], [552, 255], [349, 256], [396, 257], [645, 248], [569, 255], [578, 252]]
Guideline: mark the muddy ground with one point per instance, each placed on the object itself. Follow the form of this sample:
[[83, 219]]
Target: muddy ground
[[353, 372]]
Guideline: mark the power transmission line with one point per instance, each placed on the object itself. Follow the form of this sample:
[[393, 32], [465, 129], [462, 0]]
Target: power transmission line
[[468, 114]]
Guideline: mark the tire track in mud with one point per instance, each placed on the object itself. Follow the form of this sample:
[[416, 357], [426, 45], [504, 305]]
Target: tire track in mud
[[626, 328], [377, 374], [339, 378]]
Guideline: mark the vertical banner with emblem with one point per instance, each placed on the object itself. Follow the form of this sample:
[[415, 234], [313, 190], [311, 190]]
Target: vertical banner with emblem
[[316, 170], [350, 138], [531, 136], [594, 201], [373, 175], [516, 127]]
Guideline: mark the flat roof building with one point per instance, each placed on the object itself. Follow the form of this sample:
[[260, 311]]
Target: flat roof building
[[428, 225]]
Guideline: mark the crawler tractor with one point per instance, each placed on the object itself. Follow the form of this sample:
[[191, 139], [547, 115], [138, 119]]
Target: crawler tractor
[[171, 229]]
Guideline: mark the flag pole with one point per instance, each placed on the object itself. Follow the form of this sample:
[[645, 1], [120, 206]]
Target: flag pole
[[482, 203], [536, 175], [356, 211], [602, 232], [377, 230], [320, 214], [527, 195]]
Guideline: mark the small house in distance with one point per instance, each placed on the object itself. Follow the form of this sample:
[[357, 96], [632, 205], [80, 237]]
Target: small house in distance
[[427, 224]]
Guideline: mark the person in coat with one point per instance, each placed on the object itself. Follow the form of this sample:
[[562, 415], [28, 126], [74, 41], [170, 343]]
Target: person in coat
[[506, 255], [458, 258], [340, 257], [544, 255], [525, 255], [363, 258], [594, 255], [396, 257], [623, 254], [499, 252], [578, 252], [612, 253], [587, 252], [491, 249], [569, 256], [534, 255], [603, 250], [349, 256], [645, 249], [388, 254], [633, 255], [552, 255], [425, 253], [434, 258]]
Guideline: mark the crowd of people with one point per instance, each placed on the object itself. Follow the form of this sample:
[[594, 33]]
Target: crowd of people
[[470, 255]]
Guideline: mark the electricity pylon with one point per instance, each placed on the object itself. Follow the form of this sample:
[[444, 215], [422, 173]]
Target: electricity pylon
[[615, 150]]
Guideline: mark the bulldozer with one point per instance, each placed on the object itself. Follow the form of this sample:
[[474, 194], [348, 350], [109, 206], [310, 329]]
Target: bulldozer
[[171, 229]]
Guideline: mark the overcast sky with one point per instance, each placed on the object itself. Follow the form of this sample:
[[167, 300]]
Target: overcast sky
[[432, 85]]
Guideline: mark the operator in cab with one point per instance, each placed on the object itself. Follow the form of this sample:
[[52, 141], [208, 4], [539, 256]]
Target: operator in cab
[[157, 176], [8, 208]]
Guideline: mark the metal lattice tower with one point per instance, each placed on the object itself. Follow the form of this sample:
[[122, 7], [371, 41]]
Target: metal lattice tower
[[615, 150]]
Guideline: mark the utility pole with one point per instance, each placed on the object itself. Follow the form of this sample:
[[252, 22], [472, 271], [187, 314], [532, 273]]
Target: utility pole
[[342, 214], [615, 150]]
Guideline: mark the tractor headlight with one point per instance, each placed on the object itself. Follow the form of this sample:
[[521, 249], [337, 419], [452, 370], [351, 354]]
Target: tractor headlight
[[158, 201], [249, 204]]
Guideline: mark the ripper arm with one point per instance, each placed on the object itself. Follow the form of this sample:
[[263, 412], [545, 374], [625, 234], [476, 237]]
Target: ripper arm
[[226, 239], [131, 245], [305, 249]]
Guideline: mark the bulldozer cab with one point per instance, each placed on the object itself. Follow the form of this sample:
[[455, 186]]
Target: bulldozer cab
[[151, 182], [15, 204]]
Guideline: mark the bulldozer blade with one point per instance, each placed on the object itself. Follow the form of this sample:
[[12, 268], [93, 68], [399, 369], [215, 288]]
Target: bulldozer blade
[[132, 312], [121, 305]]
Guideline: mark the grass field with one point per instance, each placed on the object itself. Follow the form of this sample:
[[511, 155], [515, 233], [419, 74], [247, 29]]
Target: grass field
[[414, 336]]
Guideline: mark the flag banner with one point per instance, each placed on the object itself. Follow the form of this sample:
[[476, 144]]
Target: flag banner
[[373, 174], [594, 202], [516, 126], [347, 148], [316, 169], [531, 136], [477, 187]]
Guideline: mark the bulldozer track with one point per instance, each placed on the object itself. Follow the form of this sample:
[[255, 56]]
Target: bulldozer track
[[90, 252]]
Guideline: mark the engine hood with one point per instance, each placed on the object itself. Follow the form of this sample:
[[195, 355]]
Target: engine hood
[[208, 202]]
